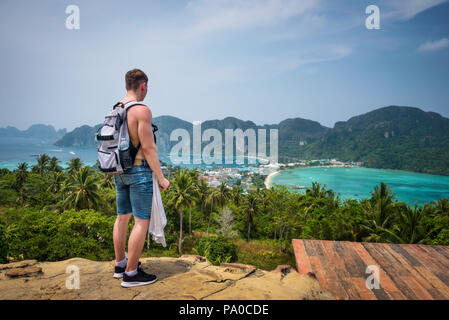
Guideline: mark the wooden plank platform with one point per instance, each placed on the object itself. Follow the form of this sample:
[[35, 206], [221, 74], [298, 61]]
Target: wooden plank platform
[[406, 271]]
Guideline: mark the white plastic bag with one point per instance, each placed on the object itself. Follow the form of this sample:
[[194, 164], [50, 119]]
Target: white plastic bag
[[158, 219]]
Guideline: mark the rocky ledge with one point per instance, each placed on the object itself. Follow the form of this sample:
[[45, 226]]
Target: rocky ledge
[[188, 277]]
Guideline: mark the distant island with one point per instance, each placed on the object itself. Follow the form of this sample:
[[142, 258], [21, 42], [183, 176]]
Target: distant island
[[393, 137], [36, 131], [403, 138]]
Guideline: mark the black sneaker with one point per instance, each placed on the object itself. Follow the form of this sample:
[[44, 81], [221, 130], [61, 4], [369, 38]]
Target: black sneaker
[[140, 279], [118, 272]]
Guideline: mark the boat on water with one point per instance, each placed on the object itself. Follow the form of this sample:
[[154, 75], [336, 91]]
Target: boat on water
[[299, 187]]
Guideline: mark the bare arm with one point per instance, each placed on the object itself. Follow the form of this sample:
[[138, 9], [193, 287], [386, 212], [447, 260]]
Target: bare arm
[[147, 143]]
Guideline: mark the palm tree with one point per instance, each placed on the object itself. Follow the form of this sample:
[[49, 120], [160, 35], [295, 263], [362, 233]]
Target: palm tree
[[43, 161], [236, 195], [410, 228], [194, 173], [264, 198], [318, 192], [193, 199], [203, 191], [379, 211], [82, 190], [74, 165], [53, 165], [55, 182], [182, 196], [65, 190], [382, 199], [225, 193], [441, 207], [213, 195], [251, 209], [306, 205], [21, 175], [107, 181]]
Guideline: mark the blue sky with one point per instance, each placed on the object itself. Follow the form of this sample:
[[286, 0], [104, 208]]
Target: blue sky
[[264, 60]]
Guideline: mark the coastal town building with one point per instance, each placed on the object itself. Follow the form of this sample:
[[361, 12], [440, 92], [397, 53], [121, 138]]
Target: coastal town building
[[246, 176]]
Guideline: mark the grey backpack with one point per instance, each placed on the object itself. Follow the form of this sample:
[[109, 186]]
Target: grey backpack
[[114, 153]]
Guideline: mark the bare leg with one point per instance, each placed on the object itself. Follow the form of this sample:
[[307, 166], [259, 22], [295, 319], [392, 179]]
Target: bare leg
[[119, 235], [136, 242]]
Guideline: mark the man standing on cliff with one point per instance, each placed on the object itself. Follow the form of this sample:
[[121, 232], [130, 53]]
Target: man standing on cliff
[[134, 188]]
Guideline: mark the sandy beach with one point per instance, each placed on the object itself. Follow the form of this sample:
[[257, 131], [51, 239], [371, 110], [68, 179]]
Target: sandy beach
[[269, 177]]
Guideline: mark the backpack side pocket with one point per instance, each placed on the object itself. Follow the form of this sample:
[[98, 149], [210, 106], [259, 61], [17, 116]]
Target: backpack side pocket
[[109, 161]]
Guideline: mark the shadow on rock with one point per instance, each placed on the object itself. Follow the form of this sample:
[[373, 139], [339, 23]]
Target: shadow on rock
[[165, 269]]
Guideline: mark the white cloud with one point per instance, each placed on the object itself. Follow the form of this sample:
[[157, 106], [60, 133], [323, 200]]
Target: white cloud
[[407, 9], [329, 53], [219, 15], [434, 45]]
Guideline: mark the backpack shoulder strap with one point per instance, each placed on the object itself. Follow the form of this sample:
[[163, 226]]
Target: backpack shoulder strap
[[118, 104], [129, 105], [132, 104]]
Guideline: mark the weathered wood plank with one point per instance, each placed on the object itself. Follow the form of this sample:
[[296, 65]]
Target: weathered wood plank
[[349, 287], [437, 295], [379, 255], [434, 280], [317, 269], [385, 279], [333, 263], [342, 251], [302, 261], [364, 292], [308, 245], [405, 271], [442, 250], [405, 254], [405, 263], [420, 292], [358, 262], [426, 258]]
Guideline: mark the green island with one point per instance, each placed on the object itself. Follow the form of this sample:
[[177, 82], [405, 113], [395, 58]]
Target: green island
[[391, 137], [49, 213]]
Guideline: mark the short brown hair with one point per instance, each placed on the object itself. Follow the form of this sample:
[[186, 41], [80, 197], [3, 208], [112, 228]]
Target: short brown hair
[[134, 78]]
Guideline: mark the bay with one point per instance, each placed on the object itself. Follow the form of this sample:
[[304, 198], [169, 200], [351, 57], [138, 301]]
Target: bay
[[356, 183], [351, 183]]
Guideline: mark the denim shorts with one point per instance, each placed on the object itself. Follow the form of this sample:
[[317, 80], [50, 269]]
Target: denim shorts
[[134, 191]]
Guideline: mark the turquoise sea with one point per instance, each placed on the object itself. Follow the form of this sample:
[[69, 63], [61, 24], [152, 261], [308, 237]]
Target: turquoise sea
[[352, 183], [356, 183], [16, 150]]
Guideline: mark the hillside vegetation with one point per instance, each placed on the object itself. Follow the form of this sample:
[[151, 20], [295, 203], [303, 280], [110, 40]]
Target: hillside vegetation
[[388, 138], [49, 214]]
